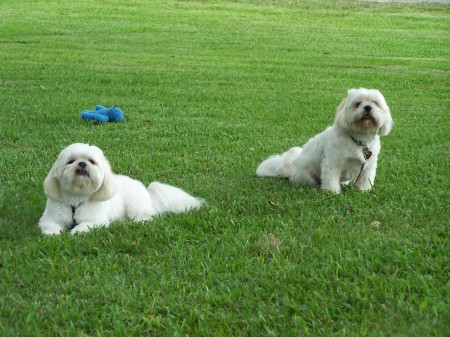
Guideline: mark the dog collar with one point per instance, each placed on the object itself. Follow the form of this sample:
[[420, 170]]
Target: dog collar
[[366, 152], [74, 222]]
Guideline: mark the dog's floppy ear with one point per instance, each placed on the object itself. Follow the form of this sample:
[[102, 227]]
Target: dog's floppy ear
[[340, 118], [52, 187], [108, 188], [388, 123]]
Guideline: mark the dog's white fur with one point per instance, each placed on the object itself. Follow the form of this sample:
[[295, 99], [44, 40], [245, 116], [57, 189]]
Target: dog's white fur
[[82, 187], [333, 157]]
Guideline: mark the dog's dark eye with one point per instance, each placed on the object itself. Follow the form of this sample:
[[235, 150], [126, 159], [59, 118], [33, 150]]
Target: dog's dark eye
[[71, 161], [357, 104], [376, 103], [92, 161]]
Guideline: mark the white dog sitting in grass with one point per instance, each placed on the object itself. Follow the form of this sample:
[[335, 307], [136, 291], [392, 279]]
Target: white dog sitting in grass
[[346, 151], [84, 193]]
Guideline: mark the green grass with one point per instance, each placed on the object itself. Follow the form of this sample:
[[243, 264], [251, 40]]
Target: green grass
[[209, 89]]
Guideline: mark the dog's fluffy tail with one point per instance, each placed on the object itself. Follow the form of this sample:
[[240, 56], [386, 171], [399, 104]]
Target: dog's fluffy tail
[[167, 198], [279, 165]]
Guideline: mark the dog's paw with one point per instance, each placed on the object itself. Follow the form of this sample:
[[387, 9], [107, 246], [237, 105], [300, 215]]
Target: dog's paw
[[334, 189], [52, 231], [364, 188], [81, 228]]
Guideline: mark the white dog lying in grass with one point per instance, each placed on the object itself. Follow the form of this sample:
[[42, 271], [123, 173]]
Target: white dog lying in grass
[[346, 151], [84, 193]]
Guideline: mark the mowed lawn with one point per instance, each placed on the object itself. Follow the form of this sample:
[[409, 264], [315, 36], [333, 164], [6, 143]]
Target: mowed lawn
[[209, 89]]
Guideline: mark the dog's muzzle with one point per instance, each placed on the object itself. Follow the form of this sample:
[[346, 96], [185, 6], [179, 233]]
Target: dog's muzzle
[[81, 169], [367, 113]]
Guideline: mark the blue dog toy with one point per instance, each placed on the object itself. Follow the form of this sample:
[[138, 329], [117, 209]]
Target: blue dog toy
[[102, 114]]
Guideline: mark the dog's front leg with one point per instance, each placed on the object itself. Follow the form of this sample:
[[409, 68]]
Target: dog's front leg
[[330, 177], [367, 177]]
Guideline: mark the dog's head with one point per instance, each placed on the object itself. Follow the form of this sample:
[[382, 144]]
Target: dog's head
[[81, 171], [364, 111]]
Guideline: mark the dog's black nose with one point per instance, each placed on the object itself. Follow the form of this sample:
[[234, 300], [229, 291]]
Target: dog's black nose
[[367, 108], [82, 164]]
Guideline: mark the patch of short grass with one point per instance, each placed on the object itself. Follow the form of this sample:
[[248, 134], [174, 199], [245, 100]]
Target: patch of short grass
[[209, 89]]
